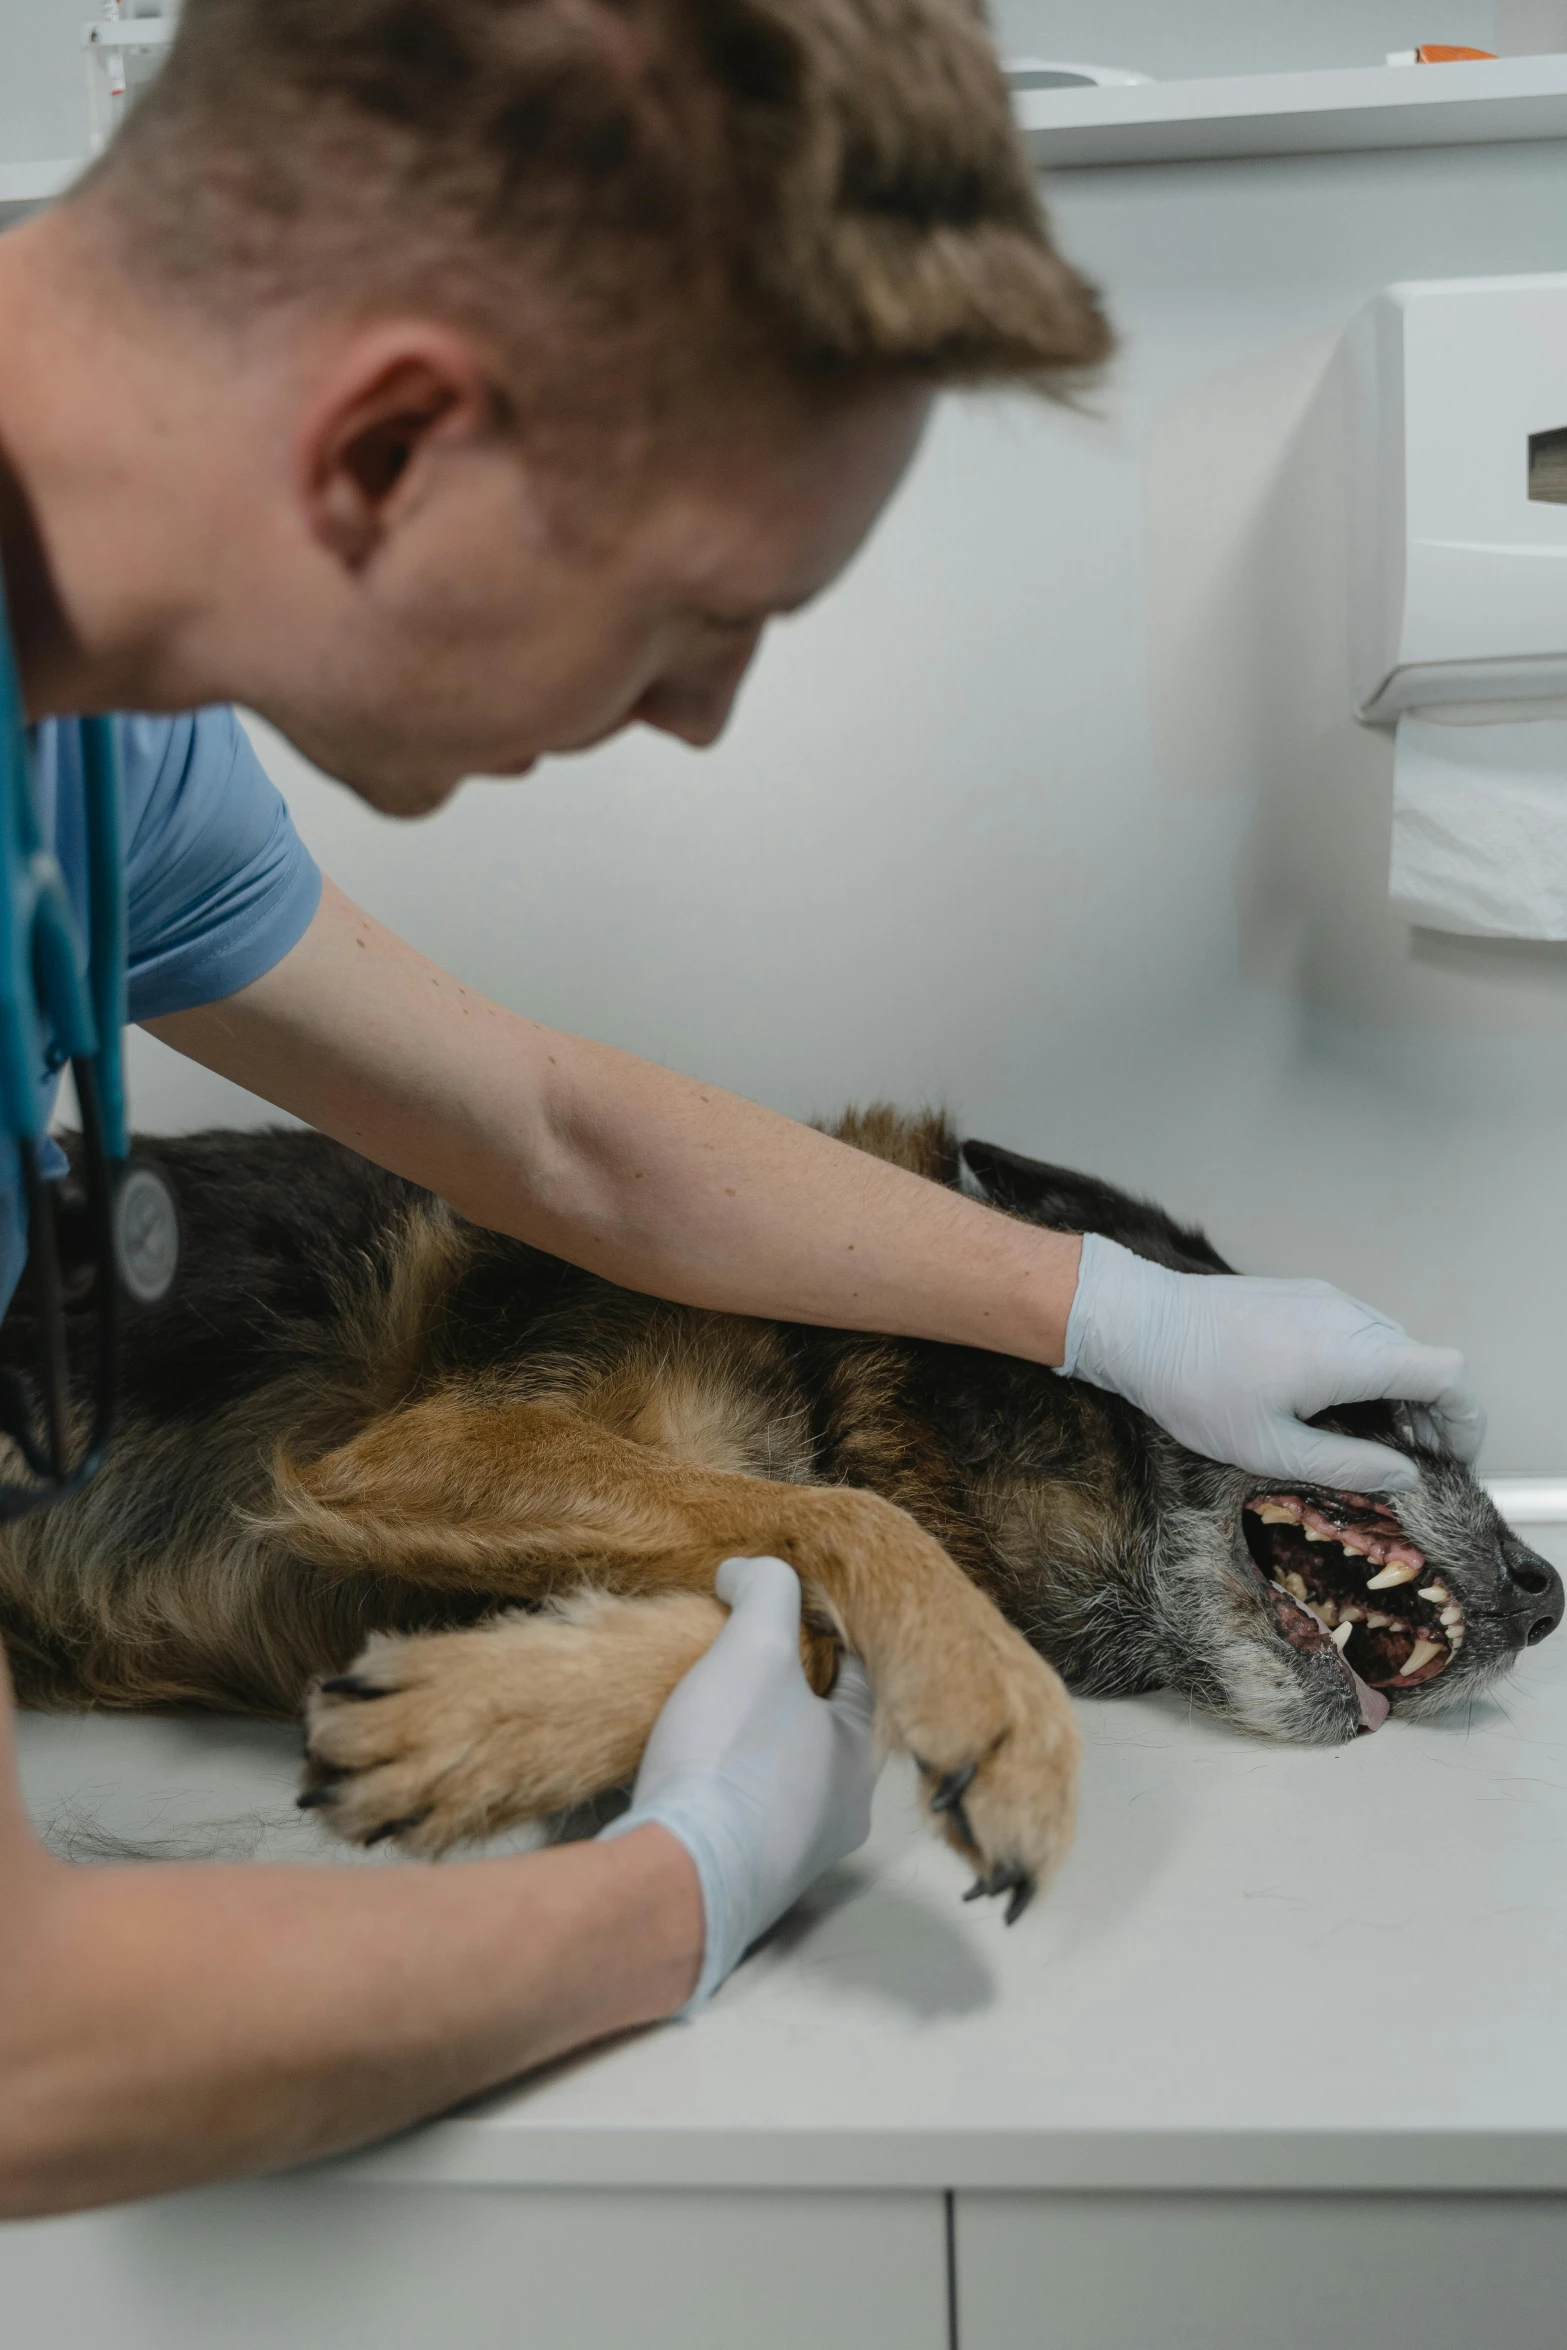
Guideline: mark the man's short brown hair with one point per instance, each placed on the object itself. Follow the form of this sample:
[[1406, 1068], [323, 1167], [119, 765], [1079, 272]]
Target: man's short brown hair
[[836, 185]]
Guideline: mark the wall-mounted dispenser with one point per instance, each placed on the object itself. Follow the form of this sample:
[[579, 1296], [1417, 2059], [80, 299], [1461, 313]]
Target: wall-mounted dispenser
[[1458, 591]]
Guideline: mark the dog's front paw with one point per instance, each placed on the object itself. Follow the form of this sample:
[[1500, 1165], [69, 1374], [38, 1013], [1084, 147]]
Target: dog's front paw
[[441, 1738], [403, 1745], [998, 1748]]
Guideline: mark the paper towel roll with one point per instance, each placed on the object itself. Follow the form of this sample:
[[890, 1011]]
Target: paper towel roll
[[1480, 827]]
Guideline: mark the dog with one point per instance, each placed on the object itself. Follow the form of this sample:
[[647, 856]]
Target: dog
[[460, 1505]]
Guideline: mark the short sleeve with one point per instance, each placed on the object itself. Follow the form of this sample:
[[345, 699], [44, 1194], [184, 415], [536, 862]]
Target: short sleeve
[[220, 885]]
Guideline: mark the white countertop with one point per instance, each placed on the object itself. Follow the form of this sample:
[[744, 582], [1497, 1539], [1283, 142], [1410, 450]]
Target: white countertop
[[1262, 1967]]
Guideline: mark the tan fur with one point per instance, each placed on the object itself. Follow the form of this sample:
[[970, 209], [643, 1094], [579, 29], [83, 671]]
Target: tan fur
[[484, 1730], [529, 1499]]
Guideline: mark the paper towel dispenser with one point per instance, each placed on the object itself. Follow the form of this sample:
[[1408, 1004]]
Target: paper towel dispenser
[[1458, 496]]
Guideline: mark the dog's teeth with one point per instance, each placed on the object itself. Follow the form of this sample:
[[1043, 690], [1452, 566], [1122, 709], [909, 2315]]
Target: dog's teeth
[[1421, 1654], [1349, 1613], [1341, 1636], [1436, 1590], [1357, 1550], [1312, 1535], [1450, 1615], [1296, 1585], [1272, 1515], [1400, 1571], [1376, 1622]]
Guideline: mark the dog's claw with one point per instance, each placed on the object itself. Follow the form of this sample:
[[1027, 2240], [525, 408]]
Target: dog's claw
[[951, 1788], [1005, 1877], [325, 1785], [1022, 1895], [352, 1685], [395, 1827]]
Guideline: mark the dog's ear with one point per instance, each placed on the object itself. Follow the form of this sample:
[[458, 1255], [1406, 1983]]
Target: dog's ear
[[1064, 1201], [1047, 1195]]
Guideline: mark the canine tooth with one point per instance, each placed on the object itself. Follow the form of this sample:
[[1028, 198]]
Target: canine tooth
[[1421, 1654], [1341, 1636], [1399, 1571]]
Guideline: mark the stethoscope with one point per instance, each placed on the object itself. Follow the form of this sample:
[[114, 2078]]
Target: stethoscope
[[62, 1000]]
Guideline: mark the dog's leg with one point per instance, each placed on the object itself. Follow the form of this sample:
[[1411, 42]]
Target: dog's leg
[[441, 1737], [527, 1501]]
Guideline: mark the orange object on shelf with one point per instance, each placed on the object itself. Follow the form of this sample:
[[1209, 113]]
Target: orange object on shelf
[[1441, 53]]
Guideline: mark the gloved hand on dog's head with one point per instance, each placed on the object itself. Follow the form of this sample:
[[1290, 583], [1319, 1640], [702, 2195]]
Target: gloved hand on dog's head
[[1233, 1368], [765, 1784]]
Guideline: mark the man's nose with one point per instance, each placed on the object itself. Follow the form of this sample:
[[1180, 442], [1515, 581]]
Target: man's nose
[[694, 703]]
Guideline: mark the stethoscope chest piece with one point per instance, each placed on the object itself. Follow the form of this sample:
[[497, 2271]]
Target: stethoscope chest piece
[[146, 1228]]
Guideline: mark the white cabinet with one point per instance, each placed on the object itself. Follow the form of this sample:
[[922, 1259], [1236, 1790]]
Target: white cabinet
[[1261, 2272], [317, 2265]]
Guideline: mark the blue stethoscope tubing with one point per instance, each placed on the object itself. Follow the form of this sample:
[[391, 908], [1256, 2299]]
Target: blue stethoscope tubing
[[63, 999], [43, 966]]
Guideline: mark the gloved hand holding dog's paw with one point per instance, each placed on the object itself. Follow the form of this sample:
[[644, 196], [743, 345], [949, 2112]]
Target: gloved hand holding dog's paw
[[764, 1783], [1234, 1367]]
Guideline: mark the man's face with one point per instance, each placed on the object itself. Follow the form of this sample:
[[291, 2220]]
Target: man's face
[[486, 632]]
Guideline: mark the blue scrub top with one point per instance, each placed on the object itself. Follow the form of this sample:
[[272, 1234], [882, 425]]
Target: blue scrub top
[[219, 883]]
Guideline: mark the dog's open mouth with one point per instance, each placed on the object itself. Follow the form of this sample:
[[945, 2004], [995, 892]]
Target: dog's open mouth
[[1344, 1574]]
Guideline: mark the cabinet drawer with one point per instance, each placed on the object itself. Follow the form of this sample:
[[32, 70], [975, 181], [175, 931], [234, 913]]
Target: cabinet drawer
[[1261, 2272], [325, 2267]]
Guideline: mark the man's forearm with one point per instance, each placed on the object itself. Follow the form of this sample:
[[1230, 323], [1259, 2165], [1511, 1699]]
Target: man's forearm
[[654, 1180], [163, 2025]]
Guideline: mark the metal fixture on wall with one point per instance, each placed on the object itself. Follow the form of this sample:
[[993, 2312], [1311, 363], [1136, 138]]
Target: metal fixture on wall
[[123, 51]]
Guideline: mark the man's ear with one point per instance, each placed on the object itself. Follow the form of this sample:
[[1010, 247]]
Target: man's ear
[[389, 399]]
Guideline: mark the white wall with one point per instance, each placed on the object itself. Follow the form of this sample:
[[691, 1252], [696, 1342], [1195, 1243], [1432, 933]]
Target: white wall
[[1053, 810], [43, 86]]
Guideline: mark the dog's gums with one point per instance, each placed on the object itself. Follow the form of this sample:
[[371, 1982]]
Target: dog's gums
[[1341, 1575]]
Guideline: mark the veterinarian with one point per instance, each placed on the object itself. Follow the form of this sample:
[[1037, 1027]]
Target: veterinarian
[[457, 382]]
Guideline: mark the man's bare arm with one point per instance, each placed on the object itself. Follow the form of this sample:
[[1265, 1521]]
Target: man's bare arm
[[160, 2025], [654, 1180]]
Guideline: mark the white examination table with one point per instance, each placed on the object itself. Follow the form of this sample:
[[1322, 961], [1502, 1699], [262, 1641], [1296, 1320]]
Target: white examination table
[[1280, 2064]]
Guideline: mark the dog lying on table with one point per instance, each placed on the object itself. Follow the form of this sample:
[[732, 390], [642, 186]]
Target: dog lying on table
[[462, 1503]]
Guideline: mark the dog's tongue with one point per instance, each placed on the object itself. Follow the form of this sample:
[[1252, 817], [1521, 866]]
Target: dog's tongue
[[1374, 1707]]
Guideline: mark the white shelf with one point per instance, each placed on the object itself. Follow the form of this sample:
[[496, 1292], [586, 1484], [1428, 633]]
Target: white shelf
[[35, 183], [1297, 113]]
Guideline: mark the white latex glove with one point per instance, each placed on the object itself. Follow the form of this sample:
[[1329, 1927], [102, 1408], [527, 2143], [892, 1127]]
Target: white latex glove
[[764, 1783], [1233, 1367]]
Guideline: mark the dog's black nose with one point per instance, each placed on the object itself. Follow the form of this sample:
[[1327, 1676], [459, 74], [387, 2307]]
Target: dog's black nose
[[1534, 1592]]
